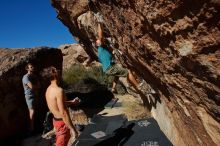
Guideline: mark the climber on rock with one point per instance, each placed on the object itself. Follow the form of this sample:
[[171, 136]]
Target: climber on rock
[[105, 56]]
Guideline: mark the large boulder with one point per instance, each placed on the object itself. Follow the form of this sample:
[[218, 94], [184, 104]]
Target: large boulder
[[13, 110], [174, 45]]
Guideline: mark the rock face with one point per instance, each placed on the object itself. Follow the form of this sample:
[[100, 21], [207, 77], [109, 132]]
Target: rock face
[[73, 54], [13, 109], [173, 45]]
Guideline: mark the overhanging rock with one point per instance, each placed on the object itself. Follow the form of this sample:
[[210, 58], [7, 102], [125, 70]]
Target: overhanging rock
[[174, 45]]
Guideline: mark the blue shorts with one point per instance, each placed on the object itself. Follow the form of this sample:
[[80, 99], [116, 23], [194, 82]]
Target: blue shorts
[[30, 101]]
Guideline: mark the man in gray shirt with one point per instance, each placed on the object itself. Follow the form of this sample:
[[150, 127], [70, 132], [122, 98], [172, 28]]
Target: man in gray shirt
[[30, 85]]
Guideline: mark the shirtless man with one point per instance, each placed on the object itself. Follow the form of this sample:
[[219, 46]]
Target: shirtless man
[[56, 102]]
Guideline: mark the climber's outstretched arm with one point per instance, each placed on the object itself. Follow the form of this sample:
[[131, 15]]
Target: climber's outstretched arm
[[100, 39], [100, 33]]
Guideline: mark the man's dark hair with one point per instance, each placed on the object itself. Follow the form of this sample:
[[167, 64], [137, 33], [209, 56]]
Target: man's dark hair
[[49, 73], [26, 67]]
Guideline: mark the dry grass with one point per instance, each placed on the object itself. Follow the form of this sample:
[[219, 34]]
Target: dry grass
[[78, 117], [135, 111], [131, 108]]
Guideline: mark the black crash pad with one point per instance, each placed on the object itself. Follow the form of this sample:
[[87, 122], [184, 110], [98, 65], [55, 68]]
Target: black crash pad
[[116, 130], [101, 124]]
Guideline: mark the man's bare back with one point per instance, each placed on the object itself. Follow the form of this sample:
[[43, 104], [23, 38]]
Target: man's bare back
[[53, 92], [56, 98], [56, 101]]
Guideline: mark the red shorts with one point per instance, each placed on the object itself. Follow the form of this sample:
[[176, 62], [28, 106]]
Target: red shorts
[[62, 132]]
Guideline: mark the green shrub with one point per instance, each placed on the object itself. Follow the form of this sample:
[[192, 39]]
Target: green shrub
[[74, 74], [79, 72]]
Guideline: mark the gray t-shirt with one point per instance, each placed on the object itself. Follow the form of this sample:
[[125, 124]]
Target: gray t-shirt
[[25, 80]]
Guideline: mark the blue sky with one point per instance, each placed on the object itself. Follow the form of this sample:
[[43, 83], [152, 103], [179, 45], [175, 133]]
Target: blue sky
[[31, 23]]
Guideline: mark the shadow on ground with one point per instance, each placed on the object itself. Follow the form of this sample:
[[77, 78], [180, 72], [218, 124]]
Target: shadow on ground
[[117, 131], [93, 95]]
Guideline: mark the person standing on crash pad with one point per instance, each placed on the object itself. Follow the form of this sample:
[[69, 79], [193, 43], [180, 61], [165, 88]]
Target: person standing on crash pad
[[56, 102]]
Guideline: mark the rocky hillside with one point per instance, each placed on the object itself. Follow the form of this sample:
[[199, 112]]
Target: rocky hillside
[[73, 54], [174, 45], [13, 109]]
